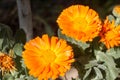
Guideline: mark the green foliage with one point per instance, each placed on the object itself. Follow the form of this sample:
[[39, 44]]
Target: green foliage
[[111, 71], [13, 46], [18, 48], [114, 52], [7, 39], [5, 31]]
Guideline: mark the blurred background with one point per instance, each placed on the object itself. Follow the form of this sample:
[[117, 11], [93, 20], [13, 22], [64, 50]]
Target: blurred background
[[45, 12]]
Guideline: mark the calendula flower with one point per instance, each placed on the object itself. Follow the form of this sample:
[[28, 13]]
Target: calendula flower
[[47, 57], [6, 63], [110, 34], [116, 11], [79, 22]]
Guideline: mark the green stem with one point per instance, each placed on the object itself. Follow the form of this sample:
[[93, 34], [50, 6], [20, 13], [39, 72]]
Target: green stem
[[26, 72], [1, 75]]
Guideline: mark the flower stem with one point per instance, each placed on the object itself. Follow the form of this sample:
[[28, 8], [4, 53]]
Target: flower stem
[[0, 74], [26, 72]]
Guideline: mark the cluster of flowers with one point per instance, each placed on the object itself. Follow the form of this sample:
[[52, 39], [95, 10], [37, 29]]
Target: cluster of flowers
[[47, 57], [84, 24], [50, 57]]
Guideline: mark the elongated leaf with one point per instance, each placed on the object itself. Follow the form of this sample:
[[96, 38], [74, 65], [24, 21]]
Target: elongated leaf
[[99, 75], [87, 73], [6, 37], [5, 31], [101, 66]]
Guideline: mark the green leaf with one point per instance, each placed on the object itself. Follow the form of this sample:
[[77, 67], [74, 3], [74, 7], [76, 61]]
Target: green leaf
[[87, 73], [6, 38], [18, 48], [73, 41], [111, 17], [8, 76], [5, 31], [76, 79], [102, 66], [18, 64], [91, 64], [117, 21], [112, 71], [5, 45], [99, 75], [20, 36], [96, 66], [30, 78], [115, 52]]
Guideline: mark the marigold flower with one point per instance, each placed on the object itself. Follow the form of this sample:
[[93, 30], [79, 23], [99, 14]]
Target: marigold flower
[[79, 22], [110, 34], [116, 11], [6, 63], [47, 57]]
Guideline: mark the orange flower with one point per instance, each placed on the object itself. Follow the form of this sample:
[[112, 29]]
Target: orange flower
[[110, 34], [6, 63], [47, 58], [79, 22]]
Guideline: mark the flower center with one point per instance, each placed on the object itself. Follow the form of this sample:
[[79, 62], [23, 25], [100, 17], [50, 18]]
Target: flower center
[[80, 24], [48, 56]]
